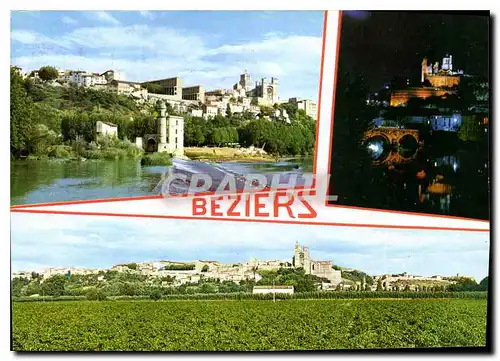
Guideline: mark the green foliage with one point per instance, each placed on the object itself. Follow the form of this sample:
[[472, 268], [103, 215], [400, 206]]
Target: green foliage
[[464, 284], [162, 158], [247, 325], [471, 129], [47, 73], [357, 276], [53, 286], [180, 267], [20, 114], [95, 294], [296, 277], [155, 294], [276, 137], [154, 88], [484, 284], [280, 138]]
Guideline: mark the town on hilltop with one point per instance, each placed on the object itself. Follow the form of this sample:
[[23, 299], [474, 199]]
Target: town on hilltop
[[244, 96], [324, 275]]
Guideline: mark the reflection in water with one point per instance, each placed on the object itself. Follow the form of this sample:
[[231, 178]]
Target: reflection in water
[[438, 174], [386, 154], [41, 181], [378, 147], [408, 146]]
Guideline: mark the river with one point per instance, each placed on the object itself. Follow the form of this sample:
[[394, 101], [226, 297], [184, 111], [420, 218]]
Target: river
[[42, 181]]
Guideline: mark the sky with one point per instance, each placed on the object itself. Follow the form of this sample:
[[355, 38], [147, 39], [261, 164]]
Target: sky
[[46, 240], [210, 48], [382, 44]]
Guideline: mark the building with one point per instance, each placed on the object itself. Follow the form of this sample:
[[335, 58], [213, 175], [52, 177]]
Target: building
[[171, 86], [307, 105], [111, 75], [194, 93], [127, 88], [210, 111], [244, 83], [170, 136], [401, 97], [92, 79], [106, 129], [273, 289], [324, 269], [195, 112], [19, 71], [266, 92], [442, 122], [84, 78], [443, 77]]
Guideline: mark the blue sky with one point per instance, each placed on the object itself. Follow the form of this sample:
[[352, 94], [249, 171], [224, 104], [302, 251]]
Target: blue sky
[[210, 48], [39, 241]]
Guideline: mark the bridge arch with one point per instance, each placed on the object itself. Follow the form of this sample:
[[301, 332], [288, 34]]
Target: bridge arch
[[402, 144]]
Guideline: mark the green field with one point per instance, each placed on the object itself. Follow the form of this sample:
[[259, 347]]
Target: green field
[[248, 324]]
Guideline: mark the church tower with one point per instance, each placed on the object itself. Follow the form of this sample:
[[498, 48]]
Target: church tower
[[424, 70]]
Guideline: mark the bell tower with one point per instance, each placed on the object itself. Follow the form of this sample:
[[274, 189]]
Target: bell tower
[[424, 70]]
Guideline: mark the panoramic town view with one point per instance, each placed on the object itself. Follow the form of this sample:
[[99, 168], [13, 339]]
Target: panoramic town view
[[250, 288], [105, 119], [411, 128]]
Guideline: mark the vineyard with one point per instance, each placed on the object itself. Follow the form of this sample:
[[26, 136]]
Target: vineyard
[[248, 324]]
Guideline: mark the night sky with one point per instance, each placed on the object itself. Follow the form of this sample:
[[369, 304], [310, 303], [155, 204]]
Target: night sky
[[380, 45]]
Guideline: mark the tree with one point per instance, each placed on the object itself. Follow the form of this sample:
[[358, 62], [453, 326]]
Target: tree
[[53, 286], [483, 285], [155, 294], [95, 294], [128, 289], [47, 73], [154, 88], [471, 129], [20, 114], [205, 268], [379, 285]]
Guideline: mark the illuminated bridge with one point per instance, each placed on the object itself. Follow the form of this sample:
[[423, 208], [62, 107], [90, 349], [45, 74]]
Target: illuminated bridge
[[388, 145]]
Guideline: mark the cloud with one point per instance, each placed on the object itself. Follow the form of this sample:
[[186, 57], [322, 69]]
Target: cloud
[[104, 17], [147, 14], [93, 241], [30, 37], [69, 20], [145, 52]]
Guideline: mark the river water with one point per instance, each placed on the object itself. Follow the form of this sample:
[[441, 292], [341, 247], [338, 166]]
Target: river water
[[42, 181]]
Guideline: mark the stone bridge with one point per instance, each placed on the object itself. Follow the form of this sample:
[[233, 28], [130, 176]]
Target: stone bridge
[[392, 135], [394, 138]]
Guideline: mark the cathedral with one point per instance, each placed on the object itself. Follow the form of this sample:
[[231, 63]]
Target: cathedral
[[264, 92], [324, 269]]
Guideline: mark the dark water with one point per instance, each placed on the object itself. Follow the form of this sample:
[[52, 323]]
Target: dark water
[[42, 181], [444, 176]]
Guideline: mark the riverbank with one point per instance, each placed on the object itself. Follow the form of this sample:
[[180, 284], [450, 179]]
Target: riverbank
[[227, 154]]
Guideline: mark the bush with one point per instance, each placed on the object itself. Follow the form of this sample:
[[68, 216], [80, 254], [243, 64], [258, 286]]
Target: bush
[[155, 294], [59, 151], [95, 294], [113, 153], [162, 158]]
